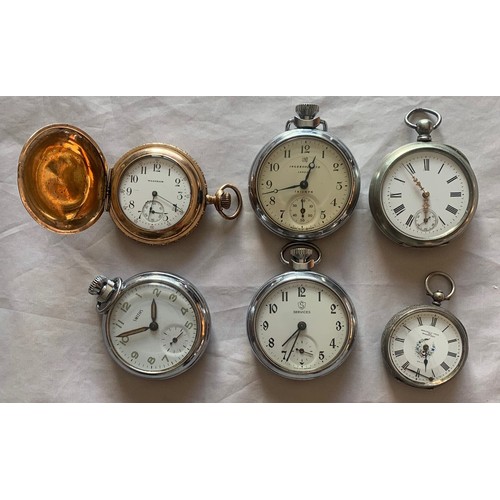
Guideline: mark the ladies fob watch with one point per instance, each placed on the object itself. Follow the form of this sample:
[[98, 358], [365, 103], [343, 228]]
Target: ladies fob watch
[[423, 194], [301, 324], [304, 184], [155, 325], [156, 193], [425, 345]]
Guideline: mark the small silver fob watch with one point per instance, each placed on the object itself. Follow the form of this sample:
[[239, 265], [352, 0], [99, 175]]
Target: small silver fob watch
[[424, 194], [425, 345], [301, 324], [304, 183], [155, 325]]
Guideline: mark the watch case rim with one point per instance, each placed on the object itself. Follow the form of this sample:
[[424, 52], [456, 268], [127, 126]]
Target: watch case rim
[[352, 169]]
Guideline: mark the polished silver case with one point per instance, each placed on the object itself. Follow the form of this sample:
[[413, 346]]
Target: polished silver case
[[287, 277], [401, 316], [193, 296], [352, 168], [375, 194]]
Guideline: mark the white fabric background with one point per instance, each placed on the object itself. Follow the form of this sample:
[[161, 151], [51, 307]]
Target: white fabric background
[[51, 348]]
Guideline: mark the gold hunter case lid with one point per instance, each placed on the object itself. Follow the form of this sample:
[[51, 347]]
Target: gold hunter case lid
[[62, 178]]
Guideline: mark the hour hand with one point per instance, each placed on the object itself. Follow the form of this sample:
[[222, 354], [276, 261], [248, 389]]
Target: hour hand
[[133, 332]]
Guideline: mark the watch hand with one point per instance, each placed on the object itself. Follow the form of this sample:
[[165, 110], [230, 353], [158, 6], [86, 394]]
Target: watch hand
[[304, 184], [419, 374], [133, 332], [154, 311], [176, 208], [300, 326], [426, 353], [174, 340], [304, 352], [274, 191]]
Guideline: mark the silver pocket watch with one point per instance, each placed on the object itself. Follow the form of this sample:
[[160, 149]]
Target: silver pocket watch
[[304, 183], [155, 325], [425, 345], [424, 194], [301, 324]]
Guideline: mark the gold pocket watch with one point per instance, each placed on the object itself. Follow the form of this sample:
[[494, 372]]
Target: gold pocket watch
[[155, 325], [425, 346], [304, 183], [156, 193], [301, 324], [424, 194]]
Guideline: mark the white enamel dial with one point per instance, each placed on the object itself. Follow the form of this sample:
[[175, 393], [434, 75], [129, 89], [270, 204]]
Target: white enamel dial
[[301, 327], [152, 328], [425, 194], [154, 193], [304, 184], [425, 347]]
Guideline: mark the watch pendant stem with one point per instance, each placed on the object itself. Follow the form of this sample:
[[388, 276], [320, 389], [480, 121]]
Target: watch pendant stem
[[306, 117]]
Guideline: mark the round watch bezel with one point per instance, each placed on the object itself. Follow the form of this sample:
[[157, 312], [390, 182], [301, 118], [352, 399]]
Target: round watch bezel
[[258, 301], [199, 305], [375, 195], [398, 318], [351, 167], [196, 207]]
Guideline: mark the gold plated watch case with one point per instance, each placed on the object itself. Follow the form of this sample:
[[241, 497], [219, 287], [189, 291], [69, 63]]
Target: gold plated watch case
[[65, 185]]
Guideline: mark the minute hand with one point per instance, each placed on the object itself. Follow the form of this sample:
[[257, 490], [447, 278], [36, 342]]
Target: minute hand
[[282, 189]]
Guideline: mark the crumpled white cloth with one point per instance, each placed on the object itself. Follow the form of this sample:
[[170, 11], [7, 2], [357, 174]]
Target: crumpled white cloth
[[51, 347]]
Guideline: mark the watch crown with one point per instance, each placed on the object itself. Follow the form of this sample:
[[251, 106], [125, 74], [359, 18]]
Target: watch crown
[[307, 111], [98, 283]]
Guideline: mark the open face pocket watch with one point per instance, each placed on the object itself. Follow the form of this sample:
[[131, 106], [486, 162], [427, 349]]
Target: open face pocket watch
[[155, 325], [304, 183], [156, 193], [423, 194], [301, 324], [425, 345]]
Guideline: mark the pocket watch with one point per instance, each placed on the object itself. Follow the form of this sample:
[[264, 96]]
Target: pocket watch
[[301, 324], [304, 183], [423, 194], [156, 193], [426, 346], [155, 325]]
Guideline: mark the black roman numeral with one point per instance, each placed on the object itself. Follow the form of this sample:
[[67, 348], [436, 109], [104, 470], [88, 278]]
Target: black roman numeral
[[406, 365], [444, 366], [410, 168], [452, 354], [395, 195], [454, 178], [455, 194], [426, 164], [399, 210], [409, 221], [452, 210], [399, 353]]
